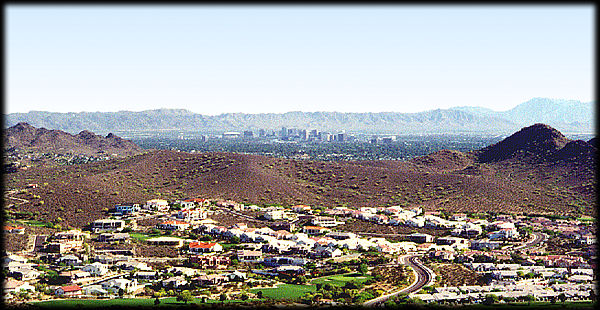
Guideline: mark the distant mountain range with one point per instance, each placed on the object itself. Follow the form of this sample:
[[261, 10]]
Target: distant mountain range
[[568, 116]]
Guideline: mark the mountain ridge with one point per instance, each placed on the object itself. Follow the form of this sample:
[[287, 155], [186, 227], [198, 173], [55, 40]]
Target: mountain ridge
[[565, 115]]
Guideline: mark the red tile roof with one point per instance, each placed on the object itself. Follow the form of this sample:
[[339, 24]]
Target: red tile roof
[[71, 288], [202, 245]]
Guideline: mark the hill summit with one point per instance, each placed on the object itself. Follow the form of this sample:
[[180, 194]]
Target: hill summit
[[536, 140]]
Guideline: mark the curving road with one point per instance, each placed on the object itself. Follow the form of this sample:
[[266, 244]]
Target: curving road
[[538, 238], [423, 277]]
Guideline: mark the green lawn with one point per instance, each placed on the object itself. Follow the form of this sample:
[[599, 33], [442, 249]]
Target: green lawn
[[341, 279], [142, 236], [38, 223], [294, 291], [123, 302], [288, 291]]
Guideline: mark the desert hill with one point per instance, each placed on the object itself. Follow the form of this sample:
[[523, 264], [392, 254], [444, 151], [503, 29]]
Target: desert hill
[[26, 137], [545, 174]]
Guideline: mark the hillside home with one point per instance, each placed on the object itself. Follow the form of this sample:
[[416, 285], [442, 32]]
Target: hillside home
[[325, 221], [290, 271], [485, 244], [192, 214], [127, 209], [174, 282], [73, 275], [455, 242], [210, 279], [504, 233], [315, 230], [458, 217], [420, 238], [16, 286], [96, 269], [173, 225], [146, 275], [94, 290], [14, 230], [341, 235], [327, 252], [159, 205], [133, 265], [70, 260], [289, 226], [283, 260], [114, 285], [113, 237], [302, 209], [237, 276], [68, 291], [248, 256], [417, 221], [210, 261], [107, 224], [204, 247], [26, 274]]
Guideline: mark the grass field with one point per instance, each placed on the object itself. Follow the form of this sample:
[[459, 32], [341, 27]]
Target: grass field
[[288, 291], [121, 302], [143, 237], [38, 223], [294, 291], [341, 279]]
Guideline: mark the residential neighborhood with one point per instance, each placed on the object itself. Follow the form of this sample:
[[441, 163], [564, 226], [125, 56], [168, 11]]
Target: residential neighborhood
[[215, 247]]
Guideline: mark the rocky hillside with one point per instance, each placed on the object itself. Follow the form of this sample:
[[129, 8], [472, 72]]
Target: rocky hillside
[[544, 173], [26, 137]]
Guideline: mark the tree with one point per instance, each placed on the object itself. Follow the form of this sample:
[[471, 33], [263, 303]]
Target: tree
[[185, 296], [223, 297], [244, 296], [259, 294], [156, 301], [363, 268], [562, 297], [121, 292], [490, 299]]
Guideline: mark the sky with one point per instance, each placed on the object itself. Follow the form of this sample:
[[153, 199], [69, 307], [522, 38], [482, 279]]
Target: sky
[[275, 59]]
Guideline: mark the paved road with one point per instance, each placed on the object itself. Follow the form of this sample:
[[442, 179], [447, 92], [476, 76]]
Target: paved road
[[424, 277], [536, 240]]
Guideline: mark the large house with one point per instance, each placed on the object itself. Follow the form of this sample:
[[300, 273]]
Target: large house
[[192, 214], [127, 209], [108, 224], [159, 205], [204, 247], [315, 230], [325, 221], [96, 269], [249, 256], [173, 225], [68, 291]]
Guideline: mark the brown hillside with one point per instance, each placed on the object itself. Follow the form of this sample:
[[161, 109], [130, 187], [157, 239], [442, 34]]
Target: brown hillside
[[26, 137], [537, 141], [446, 180]]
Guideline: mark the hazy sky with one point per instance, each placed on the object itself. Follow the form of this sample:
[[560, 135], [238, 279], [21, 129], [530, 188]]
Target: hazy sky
[[255, 59]]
